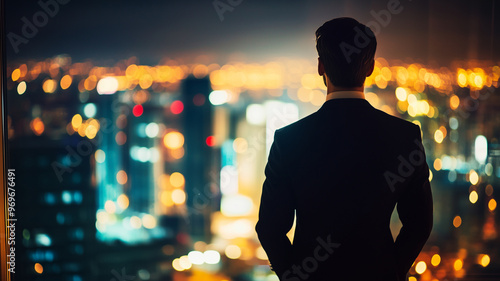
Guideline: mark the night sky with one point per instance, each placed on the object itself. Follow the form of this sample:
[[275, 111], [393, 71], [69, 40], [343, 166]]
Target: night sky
[[253, 30]]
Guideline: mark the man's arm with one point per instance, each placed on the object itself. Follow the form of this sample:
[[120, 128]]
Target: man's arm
[[415, 212], [276, 212]]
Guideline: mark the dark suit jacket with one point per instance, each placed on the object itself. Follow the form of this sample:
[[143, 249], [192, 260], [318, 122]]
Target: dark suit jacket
[[342, 170]]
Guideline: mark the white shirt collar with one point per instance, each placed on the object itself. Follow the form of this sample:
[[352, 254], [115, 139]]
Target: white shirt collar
[[345, 95]]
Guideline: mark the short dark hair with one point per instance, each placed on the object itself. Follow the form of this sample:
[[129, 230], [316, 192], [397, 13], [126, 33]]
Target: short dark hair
[[347, 50]]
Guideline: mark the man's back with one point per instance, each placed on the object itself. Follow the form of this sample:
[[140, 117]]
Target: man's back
[[343, 169]]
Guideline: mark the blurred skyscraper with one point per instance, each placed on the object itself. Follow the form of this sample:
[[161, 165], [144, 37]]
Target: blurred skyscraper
[[56, 217]]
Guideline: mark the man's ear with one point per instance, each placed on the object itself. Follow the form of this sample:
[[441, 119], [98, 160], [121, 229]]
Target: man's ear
[[321, 68], [372, 67]]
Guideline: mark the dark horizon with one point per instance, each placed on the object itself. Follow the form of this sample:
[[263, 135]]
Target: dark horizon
[[424, 31]]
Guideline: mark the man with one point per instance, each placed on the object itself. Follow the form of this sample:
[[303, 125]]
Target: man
[[341, 171]]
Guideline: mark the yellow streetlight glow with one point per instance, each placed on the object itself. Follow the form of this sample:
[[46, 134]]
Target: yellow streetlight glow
[[458, 264], [484, 260], [435, 260], [492, 204]]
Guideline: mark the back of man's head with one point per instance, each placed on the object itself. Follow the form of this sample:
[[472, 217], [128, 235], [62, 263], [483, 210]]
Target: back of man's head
[[347, 50]]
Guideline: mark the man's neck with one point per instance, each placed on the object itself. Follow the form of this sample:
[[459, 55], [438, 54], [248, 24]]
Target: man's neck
[[332, 88], [334, 92]]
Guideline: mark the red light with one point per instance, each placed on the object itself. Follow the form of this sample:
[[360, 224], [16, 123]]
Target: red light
[[137, 110], [177, 107], [210, 140]]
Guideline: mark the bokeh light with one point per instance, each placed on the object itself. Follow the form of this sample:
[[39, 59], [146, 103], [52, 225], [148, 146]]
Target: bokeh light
[[473, 197], [457, 221], [38, 268], [233, 251], [173, 140], [21, 88], [176, 107], [49, 86], [66, 81], [177, 180], [137, 110], [123, 201], [484, 260], [435, 260], [107, 86], [420, 267]]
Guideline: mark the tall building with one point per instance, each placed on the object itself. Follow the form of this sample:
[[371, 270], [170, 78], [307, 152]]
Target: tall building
[[201, 159], [55, 203]]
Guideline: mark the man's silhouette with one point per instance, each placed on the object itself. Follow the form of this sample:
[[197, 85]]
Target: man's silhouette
[[341, 171]]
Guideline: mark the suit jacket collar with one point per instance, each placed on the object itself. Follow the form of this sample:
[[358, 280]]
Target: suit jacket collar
[[345, 94]]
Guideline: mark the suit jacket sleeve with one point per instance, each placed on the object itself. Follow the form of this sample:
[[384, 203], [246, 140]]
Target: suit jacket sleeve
[[276, 212], [415, 211]]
